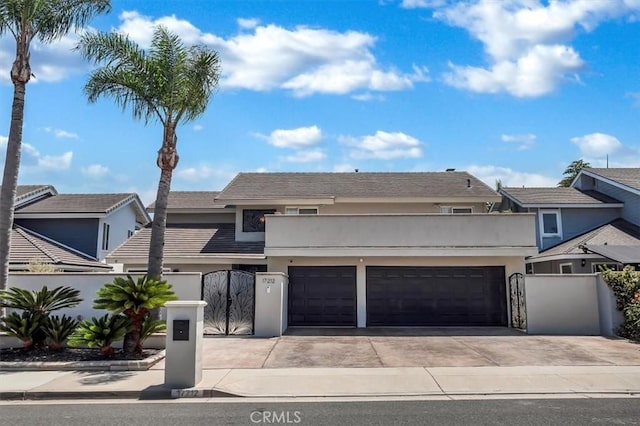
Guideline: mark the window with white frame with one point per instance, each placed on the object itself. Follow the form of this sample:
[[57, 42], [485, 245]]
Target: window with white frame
[[301, 210], [566, 268], [603, 266], [455, 210], [550, 225], [105, 236]]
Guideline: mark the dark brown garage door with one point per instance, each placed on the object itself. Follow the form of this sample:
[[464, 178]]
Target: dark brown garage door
[[436, 296], [322, 295]]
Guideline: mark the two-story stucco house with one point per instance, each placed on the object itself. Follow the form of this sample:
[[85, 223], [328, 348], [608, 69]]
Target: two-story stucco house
[[594, 223], [359, 249], [73, 232]]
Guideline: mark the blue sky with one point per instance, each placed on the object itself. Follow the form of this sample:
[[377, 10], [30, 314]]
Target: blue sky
[[512, 90]]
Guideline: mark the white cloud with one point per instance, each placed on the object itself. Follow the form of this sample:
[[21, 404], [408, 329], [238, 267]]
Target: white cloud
[[32, 158], [524, 141], [412, 4], [343, 168], [248, 23], [305, 156], [55, 162], [95, 171], [510, 177], [204, 172], [61, 134], [597, 144], [303, 60], [526, 41], [383, 145], [300, 137], [198, 127]]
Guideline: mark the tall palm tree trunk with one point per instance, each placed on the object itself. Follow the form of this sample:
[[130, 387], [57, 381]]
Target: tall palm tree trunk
[[20, 75], [167, 161]]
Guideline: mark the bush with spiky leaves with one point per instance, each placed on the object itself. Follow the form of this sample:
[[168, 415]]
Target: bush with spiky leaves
[[135, 299], [36, 306], [100, 333], [58, 329], [20, 326]]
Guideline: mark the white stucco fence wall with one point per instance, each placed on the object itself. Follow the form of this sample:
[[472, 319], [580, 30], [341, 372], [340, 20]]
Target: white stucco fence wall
[[186, 285], [577, 304]]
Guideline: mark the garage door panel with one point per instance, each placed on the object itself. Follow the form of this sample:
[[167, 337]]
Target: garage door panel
[[322, 296], [426, 296]]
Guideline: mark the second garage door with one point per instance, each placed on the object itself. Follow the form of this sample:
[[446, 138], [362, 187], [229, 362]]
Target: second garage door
[[322, 296], [436, 296]]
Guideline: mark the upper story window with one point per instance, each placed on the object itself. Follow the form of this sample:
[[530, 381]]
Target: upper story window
[[301, 210], [253, 220], [455, 210], [105, 236], [550, 224]]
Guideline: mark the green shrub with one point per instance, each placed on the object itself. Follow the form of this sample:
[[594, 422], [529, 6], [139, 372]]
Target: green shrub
[[36, 306], [135, 299], [626, 287], [100, 332], [22, 326], [151, 326], [58, 329]]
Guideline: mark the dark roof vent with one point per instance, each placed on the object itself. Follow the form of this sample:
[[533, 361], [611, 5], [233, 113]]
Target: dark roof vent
[[451, 170], [356, 170], [468, 183]]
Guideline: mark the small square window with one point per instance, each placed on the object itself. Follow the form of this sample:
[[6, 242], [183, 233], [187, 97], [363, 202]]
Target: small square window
[[566, 268], [550, 225], [301, 210], [253, 220]]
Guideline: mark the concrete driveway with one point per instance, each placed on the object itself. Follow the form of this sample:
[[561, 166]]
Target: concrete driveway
[[432, 347]]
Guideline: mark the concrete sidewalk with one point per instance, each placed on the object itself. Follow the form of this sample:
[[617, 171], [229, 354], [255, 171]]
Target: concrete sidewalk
[[329, 382]]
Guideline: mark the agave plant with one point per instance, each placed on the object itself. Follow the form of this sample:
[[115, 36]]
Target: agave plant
[[100, 332], [135, 299], [21, 326], [58, 329], [36, 307]]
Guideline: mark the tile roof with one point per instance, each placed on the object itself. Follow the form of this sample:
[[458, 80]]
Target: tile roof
[[27, 246], [190, 200], [622, 254], [23, 190], [264, 186], [77, 203], [559, 195], [188, 240], [85, 204], [625, 176], [616, 233]]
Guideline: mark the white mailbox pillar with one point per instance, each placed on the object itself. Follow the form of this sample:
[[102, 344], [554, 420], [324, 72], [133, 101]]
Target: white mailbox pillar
[[271, 304], [183, 359]]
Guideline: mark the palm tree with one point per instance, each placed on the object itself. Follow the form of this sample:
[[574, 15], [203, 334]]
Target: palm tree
[[25, 21], [572, 171], [169, 82]]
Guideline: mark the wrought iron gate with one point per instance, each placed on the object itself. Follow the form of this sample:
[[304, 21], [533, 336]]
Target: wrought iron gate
[[230, 297], [516, 297]]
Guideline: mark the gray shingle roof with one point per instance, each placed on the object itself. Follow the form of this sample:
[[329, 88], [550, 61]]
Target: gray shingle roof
[[264, 186], [27, 246], [625, 176], [85, 204], [189, 200], [616, 233], [77, 203], [187, 240], [560, 195], [25, 191]]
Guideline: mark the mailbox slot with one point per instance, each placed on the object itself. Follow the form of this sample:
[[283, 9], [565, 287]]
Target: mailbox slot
[[180, 330]]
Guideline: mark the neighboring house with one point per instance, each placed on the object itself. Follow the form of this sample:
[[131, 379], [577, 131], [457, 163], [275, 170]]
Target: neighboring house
[[591, 224], [88, 225], [360, 249], [199, 237]]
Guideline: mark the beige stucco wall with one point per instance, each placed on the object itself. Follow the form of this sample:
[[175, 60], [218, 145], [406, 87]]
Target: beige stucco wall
[[562, 304], [182, 267], [187, 286], [281, 264]]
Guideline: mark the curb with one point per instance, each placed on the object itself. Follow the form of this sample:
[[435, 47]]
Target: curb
[[133, 365]]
